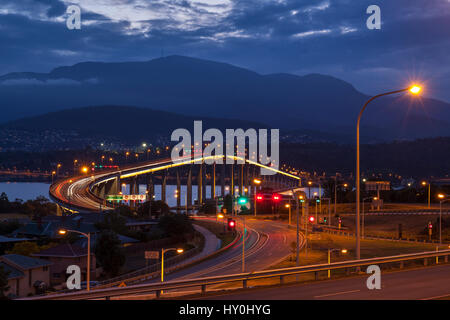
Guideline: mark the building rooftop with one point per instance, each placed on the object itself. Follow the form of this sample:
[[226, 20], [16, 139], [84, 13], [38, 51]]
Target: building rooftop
[[23, 262], [65, 250], [13, 272]]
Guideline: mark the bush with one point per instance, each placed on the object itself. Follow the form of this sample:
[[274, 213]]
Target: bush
[[175, 225]]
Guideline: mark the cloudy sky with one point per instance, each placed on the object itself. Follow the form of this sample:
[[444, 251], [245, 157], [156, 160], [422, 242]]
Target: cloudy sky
[[267, 36]]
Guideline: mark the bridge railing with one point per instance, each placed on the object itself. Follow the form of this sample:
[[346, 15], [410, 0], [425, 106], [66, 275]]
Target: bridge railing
[[203, 283]]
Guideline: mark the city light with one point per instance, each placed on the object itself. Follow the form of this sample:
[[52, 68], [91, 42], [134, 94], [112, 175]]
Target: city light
[[415, 89], [256, 181], [180, 250]]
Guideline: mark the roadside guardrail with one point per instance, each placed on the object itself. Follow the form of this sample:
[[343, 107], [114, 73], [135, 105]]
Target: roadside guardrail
[[203, 283]]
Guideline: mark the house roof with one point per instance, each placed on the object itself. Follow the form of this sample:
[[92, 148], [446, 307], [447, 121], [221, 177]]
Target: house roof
[[50, 229], [23, 262], [82, 242], [65, 250], [13, 272]]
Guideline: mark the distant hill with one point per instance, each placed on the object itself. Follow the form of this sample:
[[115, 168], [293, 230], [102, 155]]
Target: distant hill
[[128, 125], [204, 88]]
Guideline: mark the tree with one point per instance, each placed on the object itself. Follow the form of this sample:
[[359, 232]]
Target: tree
[[25, 248], [175, 224], [3, 282], [109, 253], [158, 208], [4, 203]]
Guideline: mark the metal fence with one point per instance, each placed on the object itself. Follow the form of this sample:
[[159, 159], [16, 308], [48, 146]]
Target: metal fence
[[203, 283]]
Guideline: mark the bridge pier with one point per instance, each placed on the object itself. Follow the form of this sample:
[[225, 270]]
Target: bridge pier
[[222, 180], [178, 191], [241, 179], [163, 186], [150, 186], [189, 188], [213, 187], [204, 182], [232, 181]]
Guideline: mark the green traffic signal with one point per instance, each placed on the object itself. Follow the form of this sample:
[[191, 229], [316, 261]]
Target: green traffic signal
[[242, 200]]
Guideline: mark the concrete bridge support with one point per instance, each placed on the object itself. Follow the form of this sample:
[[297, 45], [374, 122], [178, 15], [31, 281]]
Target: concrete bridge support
[[200, 185], [101, 191], [204, 182], [189, 187], [232, 181], [178, 191], [163, 186], [241, 179], [213, 187], [222, 180]]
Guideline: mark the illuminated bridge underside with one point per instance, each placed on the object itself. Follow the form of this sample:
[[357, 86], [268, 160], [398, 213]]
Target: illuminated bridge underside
[[88, 193]]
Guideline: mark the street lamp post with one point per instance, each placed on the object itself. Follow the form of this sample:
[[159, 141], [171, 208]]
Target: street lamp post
[[256, 182], [414, 90], [88, 268], [329, 257], [441, 196], [424, 183], [288, 205], [163, 251]]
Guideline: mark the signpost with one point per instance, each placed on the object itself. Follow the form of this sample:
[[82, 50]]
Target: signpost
[[151, 255]]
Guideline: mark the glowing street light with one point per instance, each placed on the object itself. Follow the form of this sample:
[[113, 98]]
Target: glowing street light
[[424, 183], [343, 251], [443, 198], [63, 232], [413, 89], [178, 250]]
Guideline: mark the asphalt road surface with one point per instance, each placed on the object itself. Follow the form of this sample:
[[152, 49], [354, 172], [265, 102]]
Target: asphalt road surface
[[415, 284], [266, 243]]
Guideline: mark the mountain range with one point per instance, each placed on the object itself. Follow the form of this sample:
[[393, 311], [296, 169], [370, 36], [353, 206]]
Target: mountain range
[[201, 89]]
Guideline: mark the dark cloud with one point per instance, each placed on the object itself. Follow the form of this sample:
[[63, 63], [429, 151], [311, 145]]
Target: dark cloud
[[331, 37]]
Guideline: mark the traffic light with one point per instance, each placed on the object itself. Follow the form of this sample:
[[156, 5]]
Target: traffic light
[[231, 224], [325, 220], [312, 219], [276, 197], [302, 199], [242, 200], [430, 229], [318, 200]]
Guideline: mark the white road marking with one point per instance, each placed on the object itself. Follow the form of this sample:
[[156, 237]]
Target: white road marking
[[335, 294]]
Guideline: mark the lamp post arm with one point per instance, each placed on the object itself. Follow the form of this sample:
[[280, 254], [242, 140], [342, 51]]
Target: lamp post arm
[[358, 184]]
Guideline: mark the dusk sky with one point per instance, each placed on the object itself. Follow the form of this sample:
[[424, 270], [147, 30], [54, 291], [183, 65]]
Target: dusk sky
[[267, 36]]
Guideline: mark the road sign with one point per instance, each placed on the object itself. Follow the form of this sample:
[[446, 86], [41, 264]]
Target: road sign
[[378, 185], [134, 197], [122, 285], [126, 197], [151, 254]]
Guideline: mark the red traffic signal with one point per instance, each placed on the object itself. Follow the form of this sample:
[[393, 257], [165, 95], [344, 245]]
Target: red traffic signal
[[430, 225], [231, 224], [312, 219]]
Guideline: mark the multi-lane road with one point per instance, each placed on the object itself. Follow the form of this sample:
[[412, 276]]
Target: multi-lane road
[[266, 243], [415, 284]]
